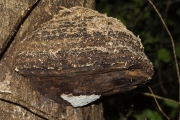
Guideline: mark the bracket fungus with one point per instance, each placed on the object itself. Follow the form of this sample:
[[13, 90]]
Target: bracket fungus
[[80, 55]]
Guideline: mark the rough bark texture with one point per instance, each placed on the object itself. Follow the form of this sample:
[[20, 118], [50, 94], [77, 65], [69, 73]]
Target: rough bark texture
[[18, 100]]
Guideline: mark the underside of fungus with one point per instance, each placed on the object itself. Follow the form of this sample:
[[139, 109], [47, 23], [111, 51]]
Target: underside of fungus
[[80, 55]]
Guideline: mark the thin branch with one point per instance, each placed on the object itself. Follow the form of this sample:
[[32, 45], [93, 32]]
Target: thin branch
[[173, 46], [158, 104], [159, 97]]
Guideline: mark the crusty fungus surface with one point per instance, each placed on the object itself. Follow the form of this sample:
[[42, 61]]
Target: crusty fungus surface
[[80, 55]]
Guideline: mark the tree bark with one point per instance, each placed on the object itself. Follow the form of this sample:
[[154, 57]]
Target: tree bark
[[18, 100]]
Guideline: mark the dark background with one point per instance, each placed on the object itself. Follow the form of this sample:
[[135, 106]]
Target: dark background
[[140, 18]]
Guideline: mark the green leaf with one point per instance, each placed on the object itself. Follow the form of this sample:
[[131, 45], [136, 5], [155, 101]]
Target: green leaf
[[178, 51], [148, 114], [156, 63], [149, 38], [171, 104], [174, 108], [164, 55]]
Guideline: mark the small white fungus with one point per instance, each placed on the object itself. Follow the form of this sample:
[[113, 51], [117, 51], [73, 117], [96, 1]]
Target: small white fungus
[[78, 101], [16, 69]]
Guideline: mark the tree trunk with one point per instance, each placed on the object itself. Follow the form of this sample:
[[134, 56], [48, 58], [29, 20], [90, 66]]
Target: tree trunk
[[18, 100]]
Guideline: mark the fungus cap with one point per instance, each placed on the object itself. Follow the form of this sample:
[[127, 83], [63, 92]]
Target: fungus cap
[[80, 52]]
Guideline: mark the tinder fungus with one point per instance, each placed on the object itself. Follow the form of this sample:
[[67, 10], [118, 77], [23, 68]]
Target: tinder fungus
[[80, 55]]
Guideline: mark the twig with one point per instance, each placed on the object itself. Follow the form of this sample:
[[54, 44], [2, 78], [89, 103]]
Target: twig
[[173, 46], [159, 97], [158, 104]]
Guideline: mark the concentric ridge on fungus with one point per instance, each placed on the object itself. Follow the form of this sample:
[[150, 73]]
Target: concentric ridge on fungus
[[83, 52]]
